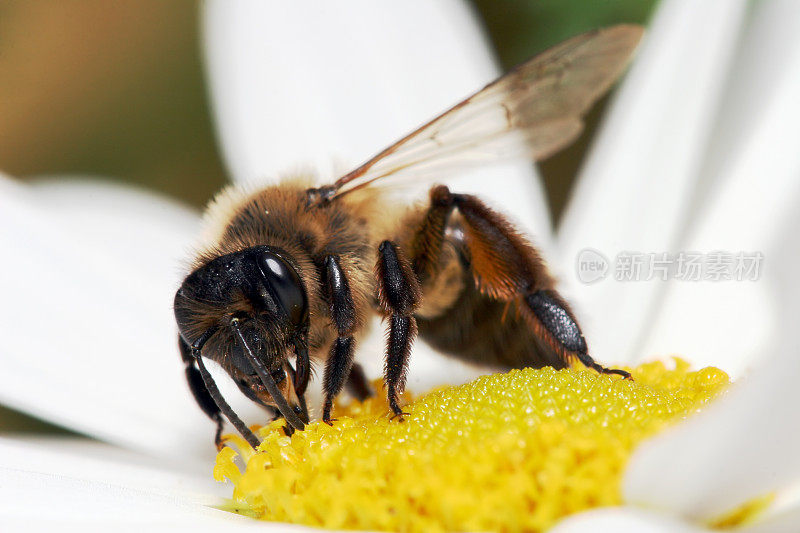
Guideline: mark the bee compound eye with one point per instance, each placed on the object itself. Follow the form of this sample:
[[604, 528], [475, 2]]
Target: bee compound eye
[[286, 286]]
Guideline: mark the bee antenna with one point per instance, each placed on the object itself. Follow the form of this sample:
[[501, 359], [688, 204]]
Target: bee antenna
[[216, 395], [266, 379]]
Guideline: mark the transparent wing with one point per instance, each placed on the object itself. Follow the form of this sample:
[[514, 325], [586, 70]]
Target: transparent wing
[[535, 110]]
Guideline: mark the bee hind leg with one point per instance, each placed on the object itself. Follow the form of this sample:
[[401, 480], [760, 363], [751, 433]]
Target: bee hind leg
[[399, 295], [505, 268], [554, 317]]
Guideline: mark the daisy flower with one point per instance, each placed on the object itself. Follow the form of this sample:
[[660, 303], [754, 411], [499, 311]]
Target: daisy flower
[[697, 154]]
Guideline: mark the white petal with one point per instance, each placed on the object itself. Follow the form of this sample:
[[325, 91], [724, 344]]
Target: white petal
[[766, 50], [92, 461], [145, 230], [722, 324], [87, 331], [67, 483], [741, 447], [750, 204], [632, 194], [44, 500], [329, 85], [623, 520]]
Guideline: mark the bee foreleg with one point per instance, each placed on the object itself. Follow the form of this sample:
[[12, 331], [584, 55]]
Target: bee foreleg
[[208, 396], [398, 295], [199, 390], [506, 267], [343, 315]]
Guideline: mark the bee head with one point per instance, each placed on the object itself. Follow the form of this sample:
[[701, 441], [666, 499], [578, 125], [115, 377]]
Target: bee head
[[251, 311]]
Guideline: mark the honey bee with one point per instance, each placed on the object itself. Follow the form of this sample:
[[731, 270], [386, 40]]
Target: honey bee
[[293, 271]]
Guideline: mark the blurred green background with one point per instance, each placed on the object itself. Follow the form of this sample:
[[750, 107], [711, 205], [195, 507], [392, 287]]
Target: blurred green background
[[116, 89]]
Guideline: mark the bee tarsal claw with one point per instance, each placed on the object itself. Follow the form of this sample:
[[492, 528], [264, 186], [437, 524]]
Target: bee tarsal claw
[[625, 374], [399, 416]]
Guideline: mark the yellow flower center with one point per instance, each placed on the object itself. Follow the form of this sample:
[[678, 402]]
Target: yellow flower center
[[511, 452]]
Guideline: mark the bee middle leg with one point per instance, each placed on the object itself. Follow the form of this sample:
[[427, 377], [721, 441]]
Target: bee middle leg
[[399, 296], [343, 314], [505, 268]]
